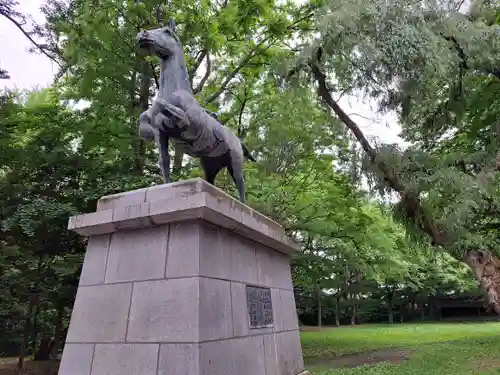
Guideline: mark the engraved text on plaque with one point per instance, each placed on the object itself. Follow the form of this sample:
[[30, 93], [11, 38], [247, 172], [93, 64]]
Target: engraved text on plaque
[[260, 307]]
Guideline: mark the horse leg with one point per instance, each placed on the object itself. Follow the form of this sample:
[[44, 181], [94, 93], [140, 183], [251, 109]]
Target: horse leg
[[235, 168], [146, 131], [175, 114], [163, 158], [211, 167]]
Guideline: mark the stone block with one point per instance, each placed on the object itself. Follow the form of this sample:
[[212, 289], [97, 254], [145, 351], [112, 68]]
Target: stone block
[[271, 356], [289, 310], [179, 359], [121, 199], [177, 209], [165, 311], [283, 272], [227, 255], [220, 210], [132, 217], [240, 311], [249, 355], [216, 320], [137, 255], [184, 200], [77, 359], [273, 268], [277, 311], [242, 356], [243, 259], [100, 313], [216, 358], [289, 352], [96, 257], [125, 359], [94, 223], [183, 249], [215, 258], [173, 190]]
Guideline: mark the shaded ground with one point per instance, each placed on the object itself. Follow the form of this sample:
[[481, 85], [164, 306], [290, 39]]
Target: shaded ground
[[8, 366], [363, 358]]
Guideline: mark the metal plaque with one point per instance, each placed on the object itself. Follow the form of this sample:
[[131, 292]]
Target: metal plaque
[[260, 307]]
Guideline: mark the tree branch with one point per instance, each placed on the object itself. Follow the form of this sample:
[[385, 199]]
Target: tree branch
[[253, 52], [241, 132], [410, 201], [27, 35], [205, 77], [199, 58]]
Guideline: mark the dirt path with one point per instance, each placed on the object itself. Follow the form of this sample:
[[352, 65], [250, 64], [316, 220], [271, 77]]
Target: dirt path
[[362, 358]]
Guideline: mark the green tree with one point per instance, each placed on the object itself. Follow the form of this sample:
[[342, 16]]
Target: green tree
[[411, 57]]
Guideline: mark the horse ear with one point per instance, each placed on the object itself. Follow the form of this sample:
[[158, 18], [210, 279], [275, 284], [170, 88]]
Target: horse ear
[[171, 24]]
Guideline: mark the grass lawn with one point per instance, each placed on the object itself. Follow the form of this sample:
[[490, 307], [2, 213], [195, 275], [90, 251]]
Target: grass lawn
[[445, 349]]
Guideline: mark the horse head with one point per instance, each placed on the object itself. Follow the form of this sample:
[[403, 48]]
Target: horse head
[[162, 42]]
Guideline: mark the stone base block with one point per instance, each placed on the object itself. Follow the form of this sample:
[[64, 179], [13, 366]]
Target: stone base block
[[192, 284]]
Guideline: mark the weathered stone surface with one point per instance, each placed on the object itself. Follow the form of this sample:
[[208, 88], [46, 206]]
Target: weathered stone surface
[[179, 359], [184, 200], [96, 257], [215, 258], [95, 223], [183, 257], [211, 360], [271, 356], [132, 217], [100, 313], [227, 255], [177, 209], [125, 359], [273, 268], [173, 190], [216, 320], [243, 258], [242, 356], [165, 311], [121, 199], [77, 359], [278, 311], [221, 211], [137, 255], [288, 310], [289, 352], [249, 355]]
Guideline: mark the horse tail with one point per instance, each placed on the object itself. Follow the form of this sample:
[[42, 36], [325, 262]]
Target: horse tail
[[247, 153]]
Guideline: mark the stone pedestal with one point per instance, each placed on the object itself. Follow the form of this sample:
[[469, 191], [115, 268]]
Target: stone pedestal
[[181, 279]]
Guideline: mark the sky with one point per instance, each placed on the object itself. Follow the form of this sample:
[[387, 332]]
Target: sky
[[33, 70]]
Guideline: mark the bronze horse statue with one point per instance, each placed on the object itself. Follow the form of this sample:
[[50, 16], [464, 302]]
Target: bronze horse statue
[[177, 115]]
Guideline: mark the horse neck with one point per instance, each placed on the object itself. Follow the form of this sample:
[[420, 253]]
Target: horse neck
[[173, 76]]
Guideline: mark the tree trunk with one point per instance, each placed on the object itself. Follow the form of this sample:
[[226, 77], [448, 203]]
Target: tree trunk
[[137, 143], [353, 310], [422, 309], [402, 312], [26, 334], [34, 335], [57, 337], [318, 290], [337, 312], [43, 352], [390, 303], [486, 269]]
